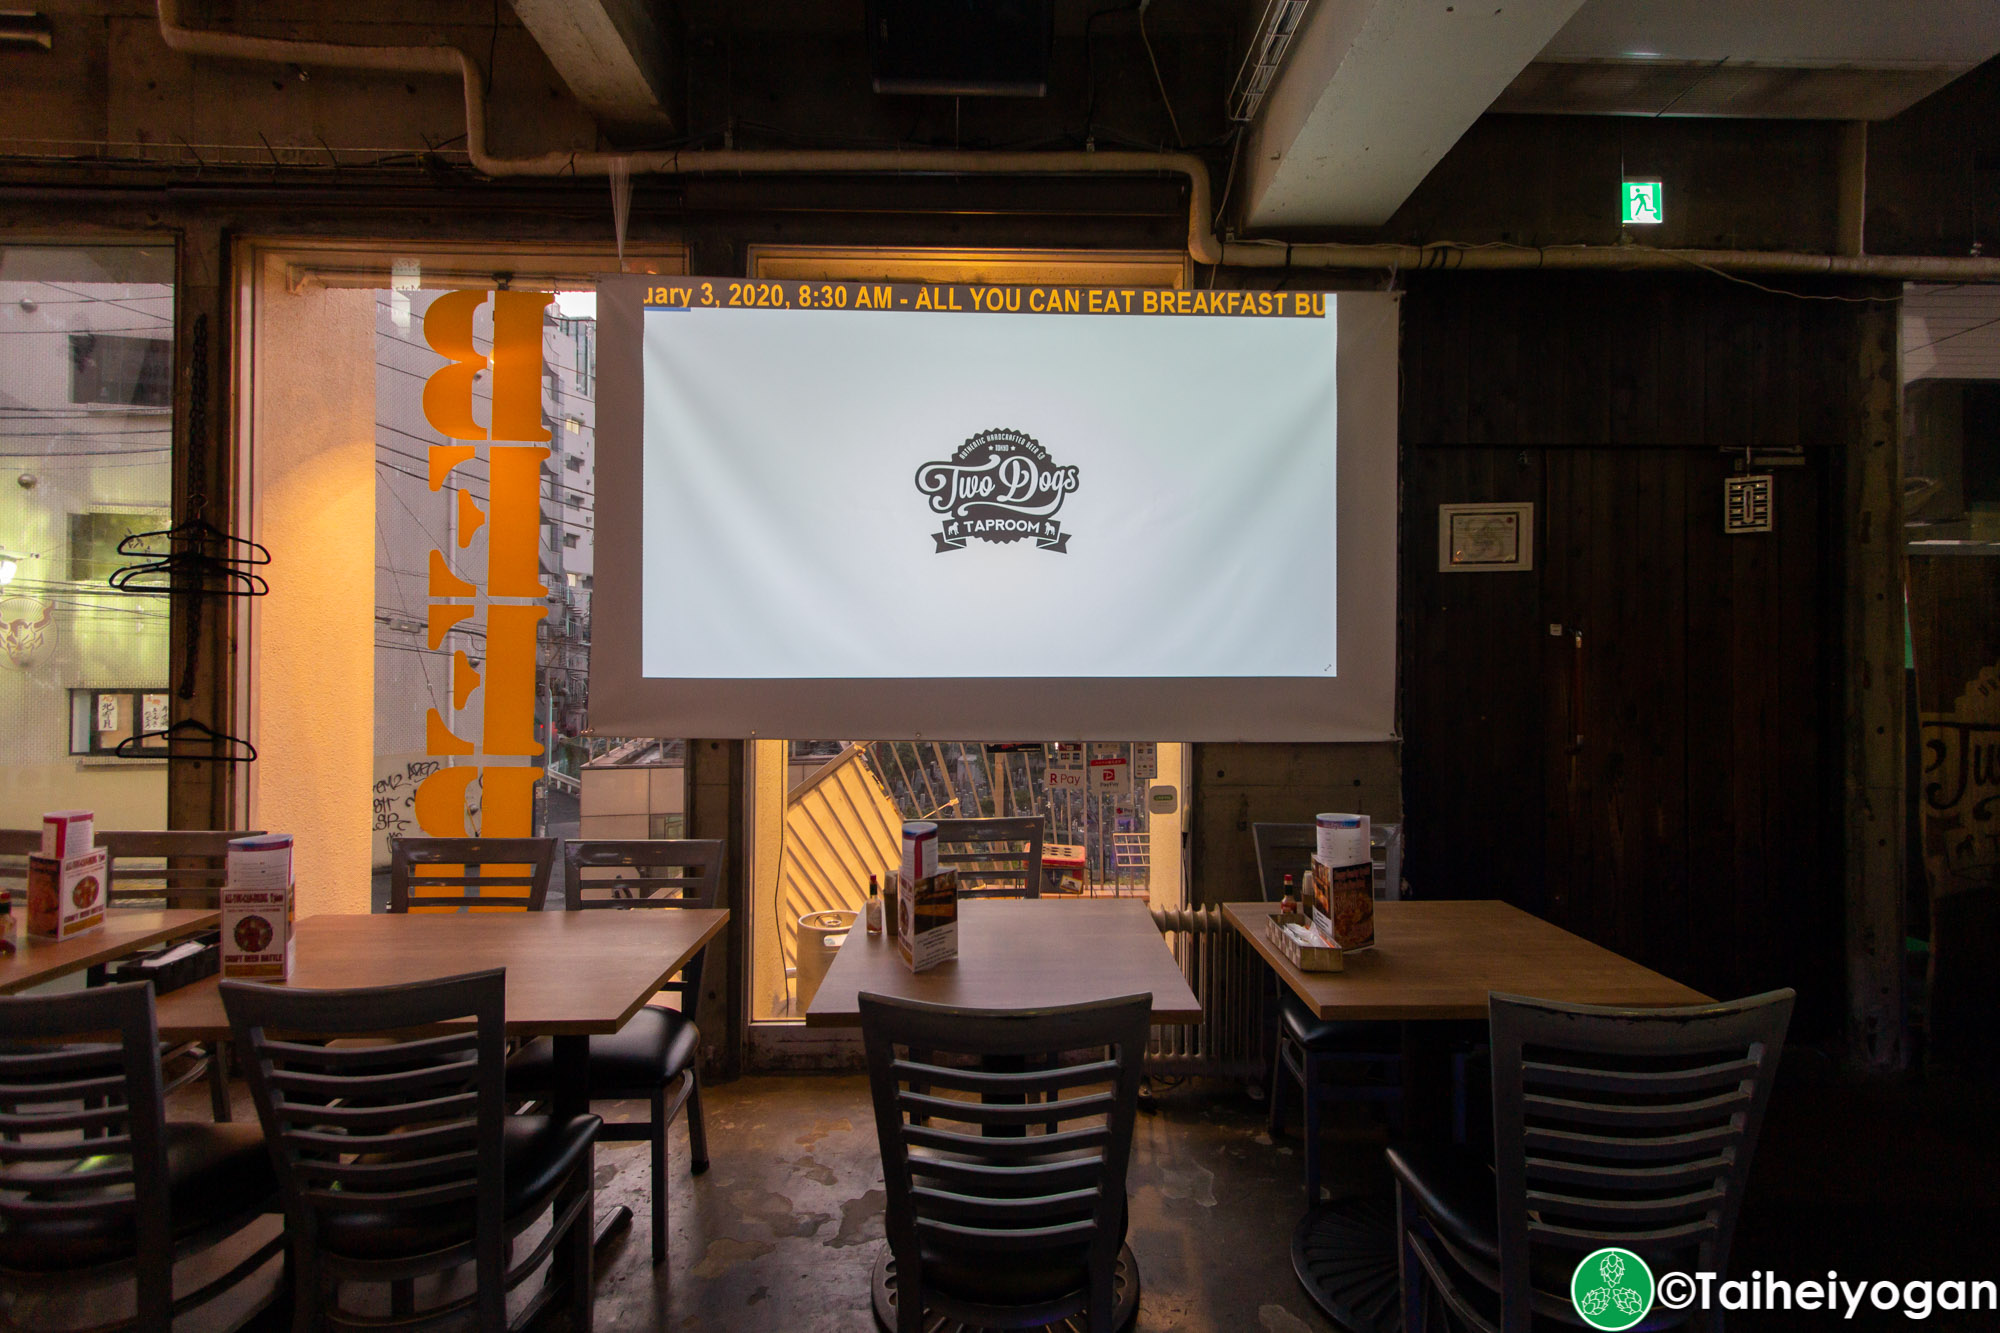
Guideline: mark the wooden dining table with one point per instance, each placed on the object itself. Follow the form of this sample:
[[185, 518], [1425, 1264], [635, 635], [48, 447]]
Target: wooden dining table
[[1432, 962], [125, 931], [570, 976], [1018, 953]]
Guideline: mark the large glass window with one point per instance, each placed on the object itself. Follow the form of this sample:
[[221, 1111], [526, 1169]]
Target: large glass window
[[378, 376], [86, 443]]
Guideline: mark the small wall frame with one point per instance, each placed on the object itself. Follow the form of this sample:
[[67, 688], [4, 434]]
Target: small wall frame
[[1486, 538]]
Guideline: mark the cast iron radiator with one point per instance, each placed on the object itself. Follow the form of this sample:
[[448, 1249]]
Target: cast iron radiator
[[1229, 979]]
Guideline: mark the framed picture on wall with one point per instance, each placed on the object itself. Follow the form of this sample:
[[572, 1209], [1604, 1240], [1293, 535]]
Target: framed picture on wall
[[1481, 538]]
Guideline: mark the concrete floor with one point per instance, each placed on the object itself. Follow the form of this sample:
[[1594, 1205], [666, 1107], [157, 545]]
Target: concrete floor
[[1892, 1180], [783, 1231]]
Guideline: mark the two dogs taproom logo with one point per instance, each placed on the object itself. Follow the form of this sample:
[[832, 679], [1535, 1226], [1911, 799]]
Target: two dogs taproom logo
[[513, 597], [999, 486]]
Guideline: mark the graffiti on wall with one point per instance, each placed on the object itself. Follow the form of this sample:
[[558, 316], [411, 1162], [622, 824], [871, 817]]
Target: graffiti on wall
[[1961, 787]]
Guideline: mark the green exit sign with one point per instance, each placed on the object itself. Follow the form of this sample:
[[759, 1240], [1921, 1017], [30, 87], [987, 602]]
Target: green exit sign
[[1645, 203]]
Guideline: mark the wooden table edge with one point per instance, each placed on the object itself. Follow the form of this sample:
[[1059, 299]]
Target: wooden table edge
[[127, 945], [179, 1032], [1249, 922], [851, 1018]]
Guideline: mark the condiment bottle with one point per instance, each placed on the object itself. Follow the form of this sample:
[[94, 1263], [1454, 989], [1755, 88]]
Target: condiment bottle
[[9, 928], [874, 906], [1290, 902]]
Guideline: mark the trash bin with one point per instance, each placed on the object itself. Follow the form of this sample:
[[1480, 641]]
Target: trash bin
[[820, 936]]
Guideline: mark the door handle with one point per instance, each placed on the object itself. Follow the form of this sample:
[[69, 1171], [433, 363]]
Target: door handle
[[1576, 691]]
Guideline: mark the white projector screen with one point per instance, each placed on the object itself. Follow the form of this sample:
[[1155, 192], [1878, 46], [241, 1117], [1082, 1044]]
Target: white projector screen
[[895, 511]]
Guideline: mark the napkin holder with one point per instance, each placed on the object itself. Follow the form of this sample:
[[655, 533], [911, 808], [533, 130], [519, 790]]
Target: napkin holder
[[1305, 957]]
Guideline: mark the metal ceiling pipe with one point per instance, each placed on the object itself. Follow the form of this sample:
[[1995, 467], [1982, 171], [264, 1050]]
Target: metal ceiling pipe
[[1453, 255], [448, 60], [1202, 244]]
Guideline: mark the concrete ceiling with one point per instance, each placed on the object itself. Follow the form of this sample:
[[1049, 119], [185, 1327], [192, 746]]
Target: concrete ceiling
[[1810, 59], [612, 54], [1374, 92]]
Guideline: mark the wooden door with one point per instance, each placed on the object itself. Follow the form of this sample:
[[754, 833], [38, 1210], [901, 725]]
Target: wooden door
[[1630, 740]]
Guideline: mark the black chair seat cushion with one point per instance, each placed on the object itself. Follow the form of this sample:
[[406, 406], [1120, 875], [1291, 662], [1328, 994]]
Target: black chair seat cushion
[[1326, 1036], [540, 1151], [654, 1047], [214, 1173]]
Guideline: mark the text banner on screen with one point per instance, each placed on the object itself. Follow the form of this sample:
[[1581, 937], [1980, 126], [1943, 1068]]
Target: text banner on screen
[[996, 511]]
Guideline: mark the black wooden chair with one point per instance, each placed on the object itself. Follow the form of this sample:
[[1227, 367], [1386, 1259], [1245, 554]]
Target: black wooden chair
[[989, 1222], [1313, 1050], [1631, 1128], [477, 874], [94, 1183], [995, 858], [655, 1055], [397, 1158], [191, 866]]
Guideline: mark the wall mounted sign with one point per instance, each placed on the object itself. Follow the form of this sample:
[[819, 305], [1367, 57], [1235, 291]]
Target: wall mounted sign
[[1746, 503], [512, 595], [1486, 537], [1961, 786], [1645, 203]]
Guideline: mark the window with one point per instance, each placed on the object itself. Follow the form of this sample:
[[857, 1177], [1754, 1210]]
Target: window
[[94, 537], [575, 461], [115, 370], [86, 445], [102, 719]]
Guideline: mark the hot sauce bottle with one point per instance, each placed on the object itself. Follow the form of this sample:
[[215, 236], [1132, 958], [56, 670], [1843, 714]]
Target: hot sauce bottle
[[874, 906]]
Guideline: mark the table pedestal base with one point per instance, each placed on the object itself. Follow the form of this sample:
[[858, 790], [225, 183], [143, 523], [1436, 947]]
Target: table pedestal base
[[1125, 1283], [1345, 1255]]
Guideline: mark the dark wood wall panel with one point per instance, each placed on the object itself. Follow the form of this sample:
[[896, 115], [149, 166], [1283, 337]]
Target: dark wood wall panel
[[1695, 827]]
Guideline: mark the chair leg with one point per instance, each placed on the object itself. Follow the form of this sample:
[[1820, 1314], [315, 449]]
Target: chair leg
[[697, 1130], [1278, 1089], [1408, 1271], [909, 1301], [1315, 1104], [218, 1081], [582, 1247], [659, 1153]]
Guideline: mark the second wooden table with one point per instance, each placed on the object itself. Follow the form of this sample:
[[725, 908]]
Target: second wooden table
[[1018, 953]]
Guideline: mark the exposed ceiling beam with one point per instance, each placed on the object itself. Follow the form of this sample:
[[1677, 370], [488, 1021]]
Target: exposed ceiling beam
[[612, 54], [1373, 93]]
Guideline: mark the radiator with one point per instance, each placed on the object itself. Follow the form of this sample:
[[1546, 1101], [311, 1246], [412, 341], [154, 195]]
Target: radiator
[[1229, 979]]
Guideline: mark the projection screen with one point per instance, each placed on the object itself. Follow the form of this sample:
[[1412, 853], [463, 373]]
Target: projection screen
[[900, 511]]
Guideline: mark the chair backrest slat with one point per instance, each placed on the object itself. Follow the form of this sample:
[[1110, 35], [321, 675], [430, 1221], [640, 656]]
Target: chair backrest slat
[[397, 1122], [63, 1160], [470, 874], [619, 874], [170, 867], [1626, 1127], [995, 858], [1037, 1163]]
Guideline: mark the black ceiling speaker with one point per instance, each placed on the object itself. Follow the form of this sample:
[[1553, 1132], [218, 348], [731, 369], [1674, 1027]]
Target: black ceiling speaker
[[961, 48]]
